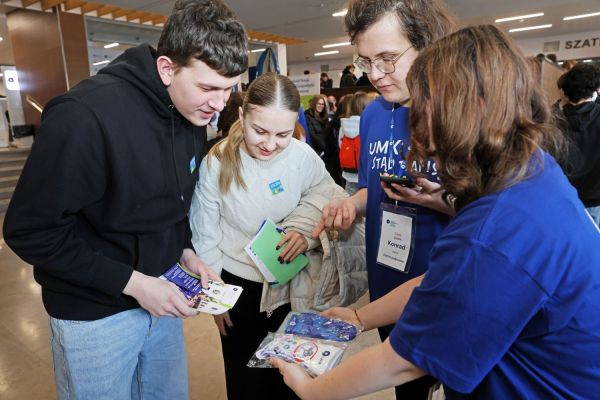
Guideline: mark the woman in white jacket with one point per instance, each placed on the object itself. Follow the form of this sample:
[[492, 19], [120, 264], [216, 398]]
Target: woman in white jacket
[[349, 128], [259, 171]]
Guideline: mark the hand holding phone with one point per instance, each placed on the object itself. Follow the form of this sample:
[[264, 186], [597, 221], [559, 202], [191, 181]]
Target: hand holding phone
[[400, 180]]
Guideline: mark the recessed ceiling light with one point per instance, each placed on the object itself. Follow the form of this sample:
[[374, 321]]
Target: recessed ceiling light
[[519, 17], [108, 46], [257, 50], [326, 46], [101, 62], [340, 13], [581, 16], [325, 53], [530, 28]]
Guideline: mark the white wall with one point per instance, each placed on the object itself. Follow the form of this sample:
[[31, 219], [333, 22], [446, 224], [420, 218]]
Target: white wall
[[576, 46]]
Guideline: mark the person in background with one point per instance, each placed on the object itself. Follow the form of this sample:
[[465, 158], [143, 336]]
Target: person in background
[[567, 65], [348, 79], [364, 80], [316, 121], [101, 208], [349, 140], [332, 150], [326, 81], [227, 117], [552, 58], [583, 118], [331, 105], [388, 35], [260, 171], [507, 309]]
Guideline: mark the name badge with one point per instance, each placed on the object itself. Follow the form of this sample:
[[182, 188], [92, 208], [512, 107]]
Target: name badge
[[396, 240], [276, 187]]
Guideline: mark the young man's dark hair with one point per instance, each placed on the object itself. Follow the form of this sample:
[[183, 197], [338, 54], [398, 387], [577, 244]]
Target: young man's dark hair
[[422, 21], [207, 31], [580, 82]]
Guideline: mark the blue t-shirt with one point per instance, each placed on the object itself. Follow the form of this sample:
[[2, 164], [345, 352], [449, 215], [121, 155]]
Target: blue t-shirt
[[510, 305], [378, 156]]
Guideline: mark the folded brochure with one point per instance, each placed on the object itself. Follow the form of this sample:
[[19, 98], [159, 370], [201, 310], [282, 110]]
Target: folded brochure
[[215, 299], [262, 250]]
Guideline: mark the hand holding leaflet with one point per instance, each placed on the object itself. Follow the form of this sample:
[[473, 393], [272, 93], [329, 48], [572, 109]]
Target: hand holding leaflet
[[217, 298]]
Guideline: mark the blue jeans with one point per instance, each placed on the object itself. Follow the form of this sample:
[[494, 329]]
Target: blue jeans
[[129, 355], [595, 214]]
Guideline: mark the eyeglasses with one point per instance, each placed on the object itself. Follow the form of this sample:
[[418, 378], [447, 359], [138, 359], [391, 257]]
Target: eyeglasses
[[385, 64], [321, 104]]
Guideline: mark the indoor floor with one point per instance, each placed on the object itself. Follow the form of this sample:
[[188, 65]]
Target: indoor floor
[[25, 358]]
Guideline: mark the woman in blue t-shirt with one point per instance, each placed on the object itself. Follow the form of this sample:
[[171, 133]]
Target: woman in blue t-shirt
[[509, 305]]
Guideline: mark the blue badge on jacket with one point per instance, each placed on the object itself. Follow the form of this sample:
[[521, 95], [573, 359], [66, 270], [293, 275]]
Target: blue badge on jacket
[[276, 187], [192, 165]]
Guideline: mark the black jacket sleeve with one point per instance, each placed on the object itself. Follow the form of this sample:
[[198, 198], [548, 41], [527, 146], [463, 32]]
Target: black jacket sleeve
[[66, 171]]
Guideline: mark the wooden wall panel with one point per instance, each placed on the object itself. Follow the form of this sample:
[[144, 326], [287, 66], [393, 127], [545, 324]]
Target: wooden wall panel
[[38, 57], [550, 74], [72, 27]]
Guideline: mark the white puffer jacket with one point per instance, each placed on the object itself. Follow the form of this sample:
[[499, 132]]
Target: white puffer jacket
[[336, 274]]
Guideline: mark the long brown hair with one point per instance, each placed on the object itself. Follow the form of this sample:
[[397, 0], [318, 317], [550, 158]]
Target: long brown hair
[[322, 116], [268, 90], [477, 110]]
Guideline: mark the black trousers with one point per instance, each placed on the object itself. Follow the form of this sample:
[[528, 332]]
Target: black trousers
[[417, 389], [249, 329]]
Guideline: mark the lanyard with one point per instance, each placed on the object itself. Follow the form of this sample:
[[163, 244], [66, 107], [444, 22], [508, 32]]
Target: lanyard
[[391, 160], [391, 144]]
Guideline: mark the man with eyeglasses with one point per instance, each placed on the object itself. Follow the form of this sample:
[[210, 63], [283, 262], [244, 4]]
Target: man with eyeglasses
[[388, 35]]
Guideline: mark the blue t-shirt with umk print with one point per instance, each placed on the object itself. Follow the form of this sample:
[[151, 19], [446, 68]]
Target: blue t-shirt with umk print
[[510, 306], [379, 154]]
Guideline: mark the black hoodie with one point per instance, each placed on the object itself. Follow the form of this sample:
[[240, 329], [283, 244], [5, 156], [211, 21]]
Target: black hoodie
[[106, 189], [583, 164]]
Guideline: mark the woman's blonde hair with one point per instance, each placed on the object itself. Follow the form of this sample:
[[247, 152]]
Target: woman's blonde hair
[[269, 90]]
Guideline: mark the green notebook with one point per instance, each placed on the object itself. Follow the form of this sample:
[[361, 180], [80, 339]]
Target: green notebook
[[262, 251]]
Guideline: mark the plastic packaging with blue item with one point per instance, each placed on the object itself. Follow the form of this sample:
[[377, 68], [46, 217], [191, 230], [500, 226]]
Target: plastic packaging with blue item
[[317, 326]]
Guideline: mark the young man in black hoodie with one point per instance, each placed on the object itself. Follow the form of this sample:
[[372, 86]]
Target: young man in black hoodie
[[101, 207], [583, 117]]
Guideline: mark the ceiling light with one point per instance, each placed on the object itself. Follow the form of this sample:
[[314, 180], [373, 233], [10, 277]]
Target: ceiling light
[[108, 46], [581, 16], [340, 13], [1, 38], [326, 46], [519, 17], [324, 53], [587, 60], [530, 28], [101, 62], [257, 50]]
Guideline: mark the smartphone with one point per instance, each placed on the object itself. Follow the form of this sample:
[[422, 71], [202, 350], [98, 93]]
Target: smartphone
[[400, 180]]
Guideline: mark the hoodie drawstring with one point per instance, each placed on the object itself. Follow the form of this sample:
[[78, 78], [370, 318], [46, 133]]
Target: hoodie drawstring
[[171, 108]]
